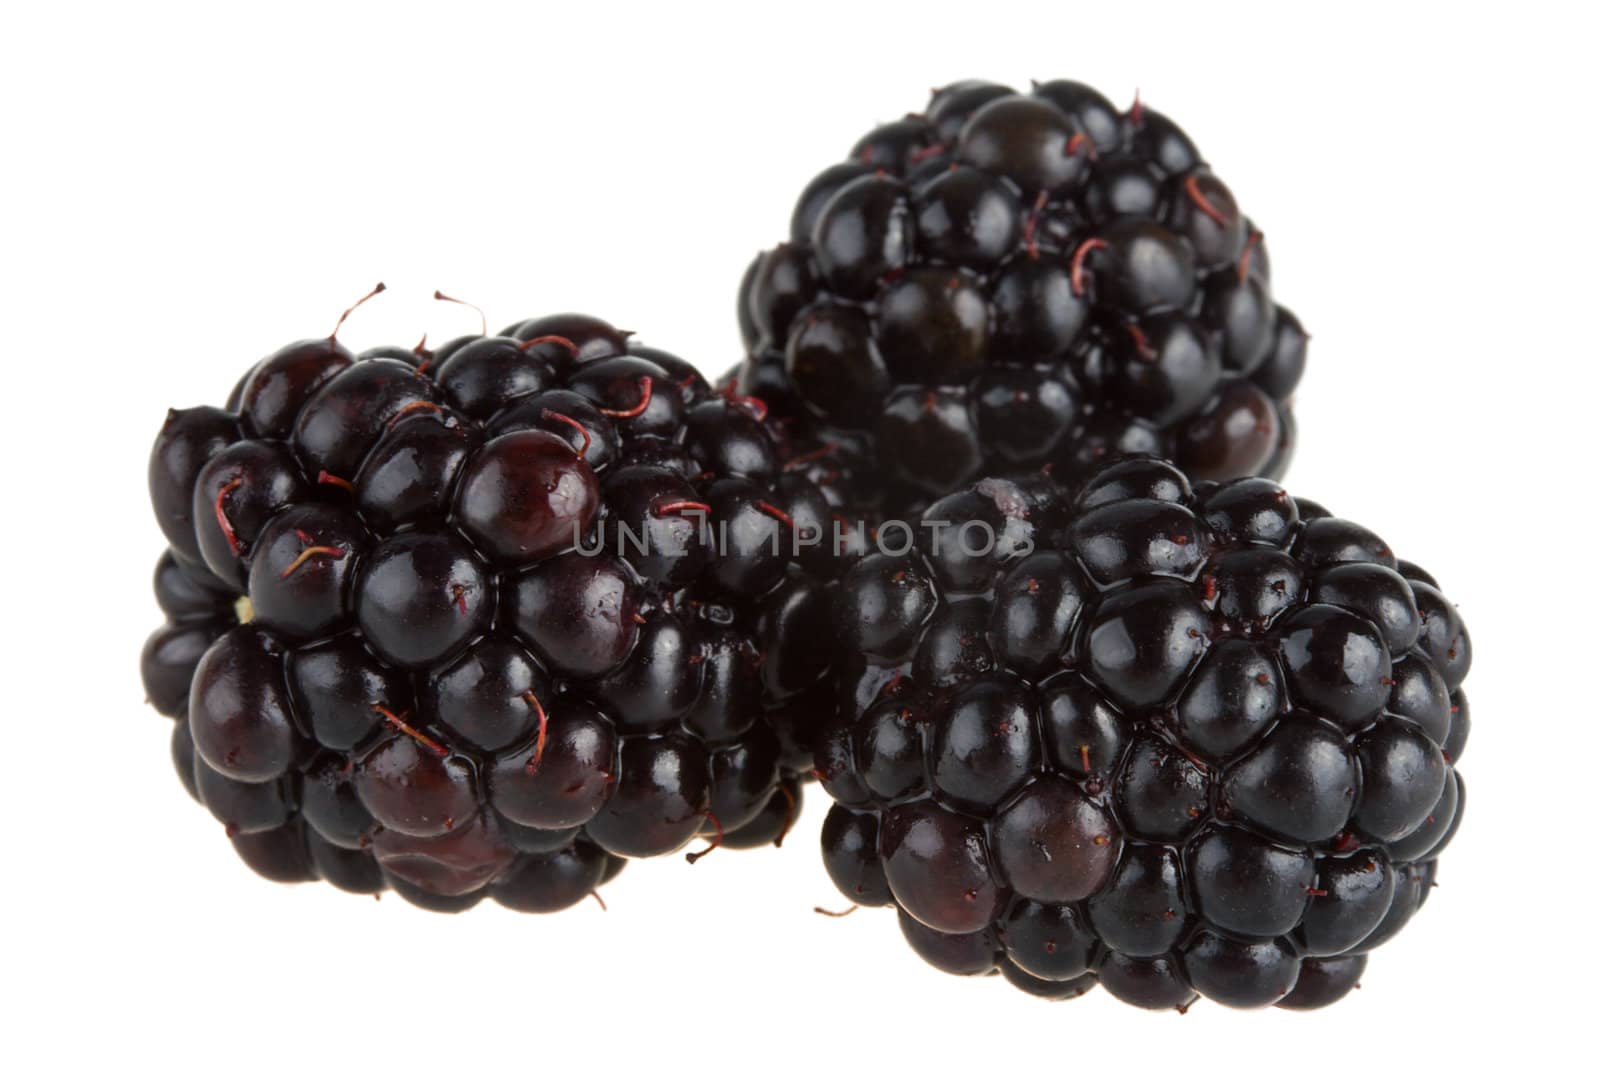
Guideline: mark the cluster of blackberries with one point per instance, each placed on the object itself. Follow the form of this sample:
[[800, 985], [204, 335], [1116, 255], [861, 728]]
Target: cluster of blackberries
[[1009, 281], [489, 619], [1173, 740], [1096, 701]]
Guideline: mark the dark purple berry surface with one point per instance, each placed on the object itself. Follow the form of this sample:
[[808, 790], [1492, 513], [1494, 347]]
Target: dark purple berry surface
[[1009, 282], [486, 620], [1185, 739]]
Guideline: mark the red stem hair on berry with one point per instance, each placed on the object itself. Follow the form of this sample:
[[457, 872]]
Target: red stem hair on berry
[[1030, 225], [647, 387], [664, 508], [1244, 257], [556, 416], [324, 478], [532, 700], [309, 553], [775, 512], [1191, 186], [234, 544], [807, 458], [333, 338], [552, 339], [1078, 257], [483, 320], [1141, 343], [788, 814], [411, 409], [756, 406], [716, 841], [395, 722]]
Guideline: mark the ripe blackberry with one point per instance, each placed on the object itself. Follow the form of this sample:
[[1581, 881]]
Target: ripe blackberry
[[489, 619], [1185, 740], [1013, 281]]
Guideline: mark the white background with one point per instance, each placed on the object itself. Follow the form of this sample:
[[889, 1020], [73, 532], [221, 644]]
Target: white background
[[187, 187]]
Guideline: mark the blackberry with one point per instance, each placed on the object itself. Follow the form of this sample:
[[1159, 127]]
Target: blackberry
[[1008, 282], [487, 620], [1183, 739]]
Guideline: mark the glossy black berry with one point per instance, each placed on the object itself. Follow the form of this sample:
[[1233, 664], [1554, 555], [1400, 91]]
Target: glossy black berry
[[1298, 785], [959, 954], [426, 628], [244, 484], [525, 496], [1353, 894], [984, 743], [334, 686], [303, 569], [1181, 739], [1338, 664], [239, 713], [862, 234], [1143, 641], [1025, 140], [1141, 911], [938, 867], [967, 218], [1233, 697], [1241, 973], [343, 419], [1403, 774], [1053, 942], [1323, 981], [1247, 885], [850, 853], [1161, 793], [836, 366], [661, 798], [1154, 982], [577, 614], [1091, 251], [187, 442], [1054, 843], [551, 881], [422, 598], [168, 661], [561, 777]]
